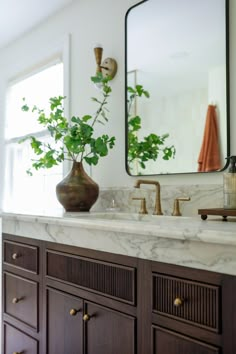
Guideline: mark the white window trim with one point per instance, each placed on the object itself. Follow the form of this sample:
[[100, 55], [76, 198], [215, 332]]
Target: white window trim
[[61, 51]]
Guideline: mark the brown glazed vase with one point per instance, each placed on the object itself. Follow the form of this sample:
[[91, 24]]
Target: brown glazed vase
[[77, 191]]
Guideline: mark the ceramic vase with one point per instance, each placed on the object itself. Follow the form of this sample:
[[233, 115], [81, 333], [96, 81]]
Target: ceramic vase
[[77, 191]]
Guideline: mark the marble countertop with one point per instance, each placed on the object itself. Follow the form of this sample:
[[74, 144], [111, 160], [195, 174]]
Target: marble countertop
[[188, 241]]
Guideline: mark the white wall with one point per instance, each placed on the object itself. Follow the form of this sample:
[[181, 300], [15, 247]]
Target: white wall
[[90, 22]]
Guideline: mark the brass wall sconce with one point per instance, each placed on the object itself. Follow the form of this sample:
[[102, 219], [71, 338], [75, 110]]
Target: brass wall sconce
[[108, 67]]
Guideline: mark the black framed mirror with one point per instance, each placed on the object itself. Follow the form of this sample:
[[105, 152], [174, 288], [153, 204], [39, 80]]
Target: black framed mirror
[[177, 87]]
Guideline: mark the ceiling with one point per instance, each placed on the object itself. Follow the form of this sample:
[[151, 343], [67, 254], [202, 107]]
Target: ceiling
[[20, 16]]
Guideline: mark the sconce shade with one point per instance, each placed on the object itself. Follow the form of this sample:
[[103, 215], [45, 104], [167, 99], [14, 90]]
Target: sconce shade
[[98, 56]]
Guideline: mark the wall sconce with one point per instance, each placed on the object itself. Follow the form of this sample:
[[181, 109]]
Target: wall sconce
[[109, 65]]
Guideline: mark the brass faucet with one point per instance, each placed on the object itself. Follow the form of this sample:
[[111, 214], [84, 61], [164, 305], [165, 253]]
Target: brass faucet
[[157, 208], [176, 209]]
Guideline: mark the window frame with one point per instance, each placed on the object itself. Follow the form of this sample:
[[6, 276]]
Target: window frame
[[61, 54]]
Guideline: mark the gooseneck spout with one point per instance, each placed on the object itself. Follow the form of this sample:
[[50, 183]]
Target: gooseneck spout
[[157, 208]]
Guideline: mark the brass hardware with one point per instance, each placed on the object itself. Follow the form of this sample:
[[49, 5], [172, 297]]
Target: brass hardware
[[143, 208], [15, 256], [157, 208], [86, 317], [176, 210], [15, 300], [178, 302], [108, 67], [18, 353], [98, 56], [73, 312]]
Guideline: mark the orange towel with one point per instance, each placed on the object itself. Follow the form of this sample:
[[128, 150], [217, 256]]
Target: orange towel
[[209, 157]]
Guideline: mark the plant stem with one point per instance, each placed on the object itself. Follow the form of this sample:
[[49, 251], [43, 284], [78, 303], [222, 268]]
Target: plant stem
[[105, 96]]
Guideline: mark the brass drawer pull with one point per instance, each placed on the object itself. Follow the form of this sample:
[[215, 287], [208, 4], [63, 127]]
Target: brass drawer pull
[[15, 256], [73, 312], [178, 302], [18, 353], [15, 300], [86, 317]]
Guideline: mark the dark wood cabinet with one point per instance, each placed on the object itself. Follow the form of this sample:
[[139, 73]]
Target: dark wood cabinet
[[64, 323], [60, 299], [75, 326], [16, 342], [21, 299], [165, 341], [108, 331]]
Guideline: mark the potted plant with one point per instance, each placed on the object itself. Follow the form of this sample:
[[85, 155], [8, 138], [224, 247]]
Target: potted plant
[[74, 140], [150, 146]]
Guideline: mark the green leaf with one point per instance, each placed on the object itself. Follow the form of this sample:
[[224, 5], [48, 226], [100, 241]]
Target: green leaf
[[25, 108], [92, 160], [86, 118]]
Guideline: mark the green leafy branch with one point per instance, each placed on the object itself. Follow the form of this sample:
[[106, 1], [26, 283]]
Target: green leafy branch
[[75, 140], [148, 148]]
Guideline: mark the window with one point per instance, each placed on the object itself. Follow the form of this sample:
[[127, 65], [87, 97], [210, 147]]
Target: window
[[23, 193]]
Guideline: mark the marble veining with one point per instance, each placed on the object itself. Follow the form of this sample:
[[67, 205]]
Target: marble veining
[[209, 245], [202, 196]]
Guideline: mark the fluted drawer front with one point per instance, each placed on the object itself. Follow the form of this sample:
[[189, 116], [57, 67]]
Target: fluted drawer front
[[109, 279], [189, 301], [21, 299], [21, 255]]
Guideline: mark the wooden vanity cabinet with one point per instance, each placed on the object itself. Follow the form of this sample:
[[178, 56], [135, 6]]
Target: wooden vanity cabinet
[[165, 341], [99, 317], [78, 301], [76, 326], [22, 296], [64, 323], [186, 310]]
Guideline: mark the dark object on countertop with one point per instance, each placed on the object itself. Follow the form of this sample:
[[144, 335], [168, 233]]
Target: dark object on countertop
[[217, 211], [77, 191]]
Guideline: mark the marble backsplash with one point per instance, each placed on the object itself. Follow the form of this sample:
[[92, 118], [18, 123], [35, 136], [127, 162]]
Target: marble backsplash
[[202, 196]]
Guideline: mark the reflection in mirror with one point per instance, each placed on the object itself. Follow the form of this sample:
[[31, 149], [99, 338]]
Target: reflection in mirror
[[177, 110]]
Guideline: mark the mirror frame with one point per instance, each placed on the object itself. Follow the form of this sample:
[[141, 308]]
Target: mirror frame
[[227, 73]]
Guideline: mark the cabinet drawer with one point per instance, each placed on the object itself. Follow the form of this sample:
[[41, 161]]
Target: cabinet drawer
[[109, 279], [21, 255], [188, 301], [21, 299], [16, 341], [165, 341]]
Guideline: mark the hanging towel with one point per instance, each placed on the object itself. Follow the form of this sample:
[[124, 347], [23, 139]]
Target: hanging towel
[[209, 157]]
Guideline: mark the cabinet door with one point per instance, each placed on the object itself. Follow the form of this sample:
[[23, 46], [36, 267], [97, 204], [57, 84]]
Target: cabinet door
[[108, 331], [64, 323], [167, 342]]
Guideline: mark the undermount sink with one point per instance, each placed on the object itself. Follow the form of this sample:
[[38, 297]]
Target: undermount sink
[[122, 216]]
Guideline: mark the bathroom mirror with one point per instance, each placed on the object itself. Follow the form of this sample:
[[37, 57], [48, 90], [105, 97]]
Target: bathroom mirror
[[177, 53]]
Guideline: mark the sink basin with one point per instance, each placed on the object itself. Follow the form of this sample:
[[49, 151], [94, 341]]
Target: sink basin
[[120, 216]]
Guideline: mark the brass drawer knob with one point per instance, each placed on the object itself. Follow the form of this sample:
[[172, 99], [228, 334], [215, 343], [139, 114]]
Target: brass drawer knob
[[178, 302], [15, 300], [86, 317], [73, 312], [15, 256]]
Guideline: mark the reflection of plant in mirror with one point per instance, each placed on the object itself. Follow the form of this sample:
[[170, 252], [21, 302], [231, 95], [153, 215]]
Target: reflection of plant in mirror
[[149, 147]]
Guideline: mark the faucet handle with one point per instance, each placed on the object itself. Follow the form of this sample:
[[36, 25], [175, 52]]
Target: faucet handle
[[176, 210], [143, 208]]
